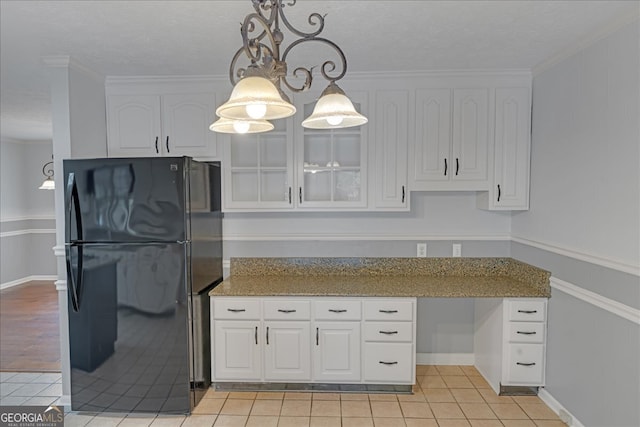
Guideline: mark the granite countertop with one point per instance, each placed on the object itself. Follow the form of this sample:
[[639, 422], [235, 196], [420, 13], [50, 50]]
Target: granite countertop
[[384, 277]]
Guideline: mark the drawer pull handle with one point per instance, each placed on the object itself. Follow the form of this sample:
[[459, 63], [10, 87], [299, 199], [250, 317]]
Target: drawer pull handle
[[267, 335], [387, 363], [525, 333], [286, 311], [388, 311], [337, 311], [525, 364], [388, 332], [528, 311], [236, 310], [317, 336], [256, 335]]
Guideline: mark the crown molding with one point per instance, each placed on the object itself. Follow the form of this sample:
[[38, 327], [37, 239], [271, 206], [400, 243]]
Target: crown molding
[[603, 32]]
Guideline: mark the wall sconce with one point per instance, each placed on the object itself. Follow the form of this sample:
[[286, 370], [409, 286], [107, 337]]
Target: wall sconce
[[49, 183]]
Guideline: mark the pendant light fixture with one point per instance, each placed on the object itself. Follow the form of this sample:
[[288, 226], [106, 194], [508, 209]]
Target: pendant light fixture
[[47, 171], [257, 94], [241, 126]]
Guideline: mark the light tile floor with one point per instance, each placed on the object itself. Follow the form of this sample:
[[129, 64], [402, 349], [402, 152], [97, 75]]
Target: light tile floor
[[444, 396]]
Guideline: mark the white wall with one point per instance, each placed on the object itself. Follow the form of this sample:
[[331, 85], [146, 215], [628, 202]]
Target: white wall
[[585, 201]]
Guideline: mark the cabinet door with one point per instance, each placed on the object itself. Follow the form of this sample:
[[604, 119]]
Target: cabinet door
[[336, 352], [510, 188], [237, 351], [389, 176], [331, 163], [133, 126], [258, 172], [432, 147], [287, 354], [185, 125], [469, 156]]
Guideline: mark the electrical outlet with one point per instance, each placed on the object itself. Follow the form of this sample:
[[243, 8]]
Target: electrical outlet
[[457, 249], [421, 250]]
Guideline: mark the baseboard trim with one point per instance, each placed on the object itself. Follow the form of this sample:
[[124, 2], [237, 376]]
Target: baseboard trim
[[560, 410], [614, 307], [17, 282], [445, 359]]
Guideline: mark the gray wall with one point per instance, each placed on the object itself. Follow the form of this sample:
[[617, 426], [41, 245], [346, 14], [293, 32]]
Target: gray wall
[[585, 190], [445, 326], [26, 213]]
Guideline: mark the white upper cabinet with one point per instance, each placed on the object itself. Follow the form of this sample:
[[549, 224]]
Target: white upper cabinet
[[331, 164], [134, 128], [510, 189], [451, 139], [185, 125], [389, 159], [151, 122], [258, 170]]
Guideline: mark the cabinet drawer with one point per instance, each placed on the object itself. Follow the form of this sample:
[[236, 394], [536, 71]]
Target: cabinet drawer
[[337, 310], [287, 309], [525, 365], [388, 310], [388, 362], [388, 331], [236, 308], [527, 310], [528, 332]]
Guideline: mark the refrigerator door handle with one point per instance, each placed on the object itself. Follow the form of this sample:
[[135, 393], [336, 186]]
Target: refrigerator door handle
[[76, 281]]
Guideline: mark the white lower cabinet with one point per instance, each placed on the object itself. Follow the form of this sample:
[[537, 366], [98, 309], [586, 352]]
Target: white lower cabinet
[[336, 353], [238, 352], [287, 351], [316, 340], [510, 341]]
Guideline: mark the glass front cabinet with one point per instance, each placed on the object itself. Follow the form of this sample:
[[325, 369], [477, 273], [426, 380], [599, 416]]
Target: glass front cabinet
[[294, 167], [260, 170]]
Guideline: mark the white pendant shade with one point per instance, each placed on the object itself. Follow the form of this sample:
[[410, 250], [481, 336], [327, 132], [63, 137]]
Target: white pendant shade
[[255, 98], [223, 125], [48, 184], [334, 110]]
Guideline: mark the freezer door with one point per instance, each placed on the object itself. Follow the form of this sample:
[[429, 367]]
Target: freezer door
[[129, 336], [125, 200]]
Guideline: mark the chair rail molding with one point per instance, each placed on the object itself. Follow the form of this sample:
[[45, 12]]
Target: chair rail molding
[[580, 255], [615, 307]]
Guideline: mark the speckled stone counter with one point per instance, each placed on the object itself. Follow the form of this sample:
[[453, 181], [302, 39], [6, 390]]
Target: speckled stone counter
[[384, 277]]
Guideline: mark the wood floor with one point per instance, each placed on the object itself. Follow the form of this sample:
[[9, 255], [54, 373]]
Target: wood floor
[[29, 333]]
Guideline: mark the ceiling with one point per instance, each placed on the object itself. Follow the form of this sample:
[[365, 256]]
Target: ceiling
[[147, 37]]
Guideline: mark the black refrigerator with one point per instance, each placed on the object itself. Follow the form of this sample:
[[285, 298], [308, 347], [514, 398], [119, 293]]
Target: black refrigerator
[[143, 240]]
